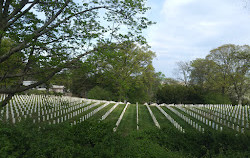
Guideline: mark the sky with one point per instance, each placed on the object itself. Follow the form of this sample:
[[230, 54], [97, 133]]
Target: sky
[[189, 29]]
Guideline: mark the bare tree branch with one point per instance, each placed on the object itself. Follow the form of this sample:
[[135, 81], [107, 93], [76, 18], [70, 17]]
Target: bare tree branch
[[1, 7], [6, 8], [20, 15], [51, 19], [17, 9], [69, 17], [46, 78], [38, 33]]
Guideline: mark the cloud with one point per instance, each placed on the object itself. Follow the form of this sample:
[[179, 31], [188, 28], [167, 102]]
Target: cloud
[[189, 29]]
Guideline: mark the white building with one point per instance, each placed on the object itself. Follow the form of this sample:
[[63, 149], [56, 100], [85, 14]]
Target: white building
[[57, 88], [27, 83], [54, 88]]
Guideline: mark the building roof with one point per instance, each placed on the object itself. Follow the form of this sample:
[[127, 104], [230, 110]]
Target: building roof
[[58, 86]]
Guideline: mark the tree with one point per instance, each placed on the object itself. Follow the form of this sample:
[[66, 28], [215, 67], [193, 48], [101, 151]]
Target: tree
[[53, 35], [224, 71], [14, 64], [100, 94], [232, 68], [183, 72], [62, 78], [202, 72], [179, 94], [123, 70]]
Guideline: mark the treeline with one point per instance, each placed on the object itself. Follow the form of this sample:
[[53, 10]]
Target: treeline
[[127, 73], [223, 76], [119, 72], [189, 94]]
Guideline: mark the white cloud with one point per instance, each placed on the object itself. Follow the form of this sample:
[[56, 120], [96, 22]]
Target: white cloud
[[189, 29]]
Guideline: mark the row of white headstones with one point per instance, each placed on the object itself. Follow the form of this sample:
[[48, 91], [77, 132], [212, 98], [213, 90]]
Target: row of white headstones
[[54, 109], [214, 116], [209, 116]]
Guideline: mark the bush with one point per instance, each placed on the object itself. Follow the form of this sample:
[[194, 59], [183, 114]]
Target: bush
[[177, 94], [96, 139], [100, 94], [216, 98]]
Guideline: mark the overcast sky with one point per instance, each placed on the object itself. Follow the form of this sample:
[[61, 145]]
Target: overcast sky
[[189, 29]]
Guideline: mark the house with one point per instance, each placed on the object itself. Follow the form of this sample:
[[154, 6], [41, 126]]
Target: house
[[57, 88], [42, 87], [27, 83]]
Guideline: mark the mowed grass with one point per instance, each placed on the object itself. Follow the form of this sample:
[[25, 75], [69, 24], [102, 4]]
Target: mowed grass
[[115, 114], [145, 119], [206, 127], [162, 120], [128, 122], [178, 119], [100, 113], [77, 118]]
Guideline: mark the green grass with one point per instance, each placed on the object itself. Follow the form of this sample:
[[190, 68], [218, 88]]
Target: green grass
[[145, 119], [162, 120], [100, 113], [206, 127], [77, 118], [128, 122], [178, 119], [115, 114]]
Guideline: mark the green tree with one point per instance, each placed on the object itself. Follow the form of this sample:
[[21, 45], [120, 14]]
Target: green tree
[[201, 74], [123, 70], [13, 64], [100, 94], [53, 35], [232, 69], [120, 66], [177, 94], [62, 78]]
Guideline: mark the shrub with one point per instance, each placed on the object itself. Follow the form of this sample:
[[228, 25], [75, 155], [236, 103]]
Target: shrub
[[216, 98], [100, 94]]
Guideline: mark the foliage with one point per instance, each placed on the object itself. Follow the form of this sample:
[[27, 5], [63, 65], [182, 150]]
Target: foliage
[[176, 93], [14, 64], [232, 69], [216, 98], [126, 72], [47, 36], [183, 72], [224, 71], [63, 78], [100, 94], [96, 139]]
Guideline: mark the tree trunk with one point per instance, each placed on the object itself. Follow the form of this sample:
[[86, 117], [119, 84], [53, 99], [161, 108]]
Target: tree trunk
[[6, 100], [239, 100], [223, 90]]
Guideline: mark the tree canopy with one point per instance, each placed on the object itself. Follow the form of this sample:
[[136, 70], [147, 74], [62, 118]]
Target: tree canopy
[[126, 73], [225, 71], [49, 36]]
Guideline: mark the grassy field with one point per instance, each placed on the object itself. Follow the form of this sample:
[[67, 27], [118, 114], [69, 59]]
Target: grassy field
[[164, 123], [95, 138], [128, 122], [115, 114], [76, 118], [145, 120], [100, 113]]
